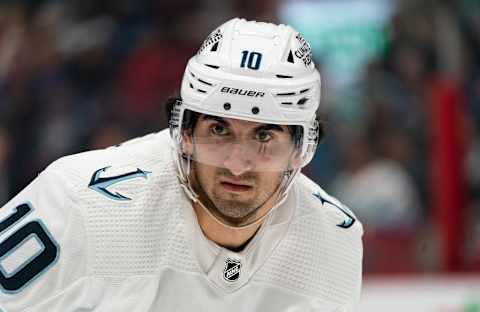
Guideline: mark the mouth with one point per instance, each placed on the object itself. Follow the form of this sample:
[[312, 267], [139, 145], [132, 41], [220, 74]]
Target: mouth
[[235, 186]]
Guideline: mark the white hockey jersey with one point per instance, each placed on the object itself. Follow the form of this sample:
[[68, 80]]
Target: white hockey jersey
[[112, 230]]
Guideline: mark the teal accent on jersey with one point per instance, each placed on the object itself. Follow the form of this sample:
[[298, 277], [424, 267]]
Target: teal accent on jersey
[[100, 184], [346, 223]]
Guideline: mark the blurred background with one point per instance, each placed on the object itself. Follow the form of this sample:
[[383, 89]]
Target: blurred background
[[401, 103]]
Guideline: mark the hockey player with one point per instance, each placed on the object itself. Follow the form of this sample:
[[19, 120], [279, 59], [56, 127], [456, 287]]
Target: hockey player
[[210, 215]]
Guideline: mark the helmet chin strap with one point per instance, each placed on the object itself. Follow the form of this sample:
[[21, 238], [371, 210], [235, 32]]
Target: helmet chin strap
[[184, 169]]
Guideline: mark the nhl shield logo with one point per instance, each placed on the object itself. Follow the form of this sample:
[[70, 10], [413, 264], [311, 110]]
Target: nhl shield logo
[[231, 273]]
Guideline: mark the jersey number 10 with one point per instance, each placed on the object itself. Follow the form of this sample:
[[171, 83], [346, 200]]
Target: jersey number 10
[[14, 277]]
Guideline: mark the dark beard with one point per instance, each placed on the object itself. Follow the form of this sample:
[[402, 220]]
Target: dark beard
[[250, 213]]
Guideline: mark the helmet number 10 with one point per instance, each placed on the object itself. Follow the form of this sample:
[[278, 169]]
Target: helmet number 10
[[252, 60]]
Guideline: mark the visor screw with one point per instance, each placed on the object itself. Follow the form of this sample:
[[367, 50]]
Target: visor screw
[[227, 106], [255, 110]]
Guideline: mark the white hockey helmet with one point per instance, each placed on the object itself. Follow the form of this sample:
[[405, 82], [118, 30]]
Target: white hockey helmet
[[253, 71]]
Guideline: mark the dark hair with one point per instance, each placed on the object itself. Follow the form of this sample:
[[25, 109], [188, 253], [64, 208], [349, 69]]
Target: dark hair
[[190, 119]]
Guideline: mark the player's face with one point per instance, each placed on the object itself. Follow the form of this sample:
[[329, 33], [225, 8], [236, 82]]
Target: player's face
[[238, 165]]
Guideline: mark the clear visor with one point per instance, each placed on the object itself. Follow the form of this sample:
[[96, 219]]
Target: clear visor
[[241, 146]]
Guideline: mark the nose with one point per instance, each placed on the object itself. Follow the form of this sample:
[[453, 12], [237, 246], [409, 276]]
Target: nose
[[238, 162]]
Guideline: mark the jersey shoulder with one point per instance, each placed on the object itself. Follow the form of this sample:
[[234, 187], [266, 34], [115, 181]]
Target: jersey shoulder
[[321, 255], [315, 200], [82, 214], [132, 205]]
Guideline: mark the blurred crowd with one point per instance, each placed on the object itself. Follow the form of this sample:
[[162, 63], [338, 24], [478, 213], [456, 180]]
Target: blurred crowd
[[84, 74]]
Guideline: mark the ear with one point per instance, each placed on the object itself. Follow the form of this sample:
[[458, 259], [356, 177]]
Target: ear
[[187, 142]]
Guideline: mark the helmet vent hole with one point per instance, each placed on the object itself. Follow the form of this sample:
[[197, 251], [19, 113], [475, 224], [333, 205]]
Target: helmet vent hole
[[214, 47], [201, 91], [286, 94], [191, 85], [205, 82], [290, 57], [302, 101], [212, 66], [255, 110], [227, 106], [283, 76], [287, 103], [304, 90]]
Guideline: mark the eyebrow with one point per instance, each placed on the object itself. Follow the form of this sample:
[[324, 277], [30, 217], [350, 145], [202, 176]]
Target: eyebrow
[[214, 118], [261, 127], [269, 127]]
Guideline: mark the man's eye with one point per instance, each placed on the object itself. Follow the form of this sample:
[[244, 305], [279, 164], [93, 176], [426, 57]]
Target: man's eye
[[263, 136], [218, 129]]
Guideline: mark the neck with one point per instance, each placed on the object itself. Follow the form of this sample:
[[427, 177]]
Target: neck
[[222, 235], [231, 237]]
